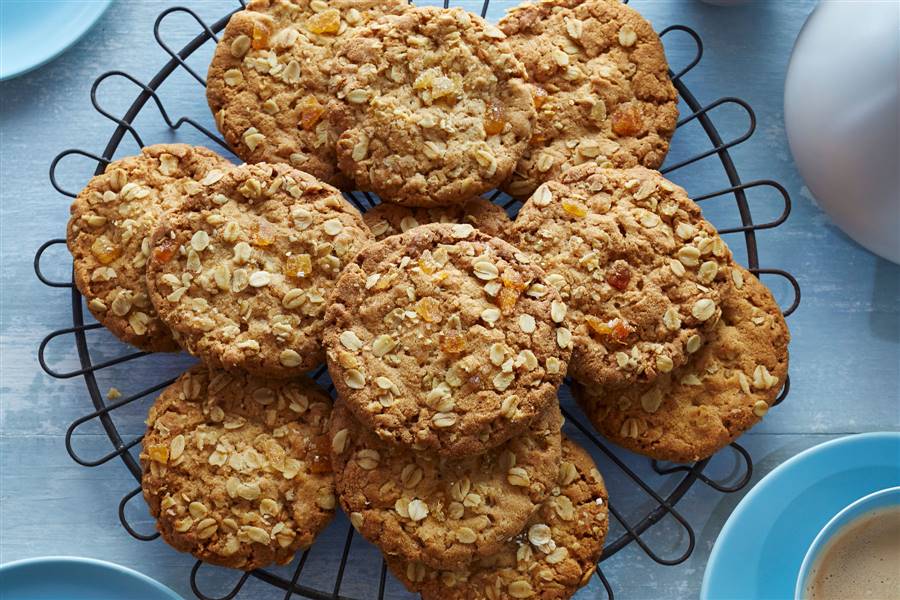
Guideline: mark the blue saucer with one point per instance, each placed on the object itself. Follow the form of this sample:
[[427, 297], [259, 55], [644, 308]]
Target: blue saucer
[[35, 32], [72, 578], [759, 551]]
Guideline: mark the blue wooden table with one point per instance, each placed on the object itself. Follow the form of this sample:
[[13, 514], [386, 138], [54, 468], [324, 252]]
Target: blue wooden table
[[846, 333]]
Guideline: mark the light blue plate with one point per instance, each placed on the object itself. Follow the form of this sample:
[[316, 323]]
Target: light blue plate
[[72, 578], [33, 32], [759, 551]]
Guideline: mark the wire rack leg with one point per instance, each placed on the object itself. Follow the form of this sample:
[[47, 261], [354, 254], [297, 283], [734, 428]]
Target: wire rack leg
[[144, 537], [229, 596], [745, 467], [605, 582], [296, 577]]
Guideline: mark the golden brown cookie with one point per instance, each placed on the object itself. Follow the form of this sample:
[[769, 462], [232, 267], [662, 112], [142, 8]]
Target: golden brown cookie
[[237, 469], [601, 87], [241, 274], [445, 339], [388, 219], [725, 388], [268, 83], [641, 271], [439, 511], [441, 106], [554, 555], [109, 234]]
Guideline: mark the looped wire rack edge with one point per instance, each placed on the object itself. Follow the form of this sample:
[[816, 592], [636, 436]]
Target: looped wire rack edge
[[292, 586]]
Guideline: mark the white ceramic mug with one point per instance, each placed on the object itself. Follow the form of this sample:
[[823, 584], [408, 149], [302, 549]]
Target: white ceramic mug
[[842, 117], [885, 498]]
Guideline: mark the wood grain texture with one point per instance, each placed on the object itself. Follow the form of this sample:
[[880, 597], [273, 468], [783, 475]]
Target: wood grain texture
[[845, 368]]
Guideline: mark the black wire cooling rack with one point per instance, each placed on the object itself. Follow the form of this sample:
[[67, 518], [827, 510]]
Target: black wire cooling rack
[[663, 504]]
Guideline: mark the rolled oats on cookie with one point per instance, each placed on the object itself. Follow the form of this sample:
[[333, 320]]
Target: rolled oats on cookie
[[445, 512], [726, 387], [642, 273], [268, 83], [388, 219], [601, 87], [237, 469], [445, 339], [241, 274], [109, 234], [554, 555], [441, 108]]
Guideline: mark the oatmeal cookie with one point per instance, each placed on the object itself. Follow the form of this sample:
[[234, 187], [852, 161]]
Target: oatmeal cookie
[[444, 512], [554, 554], [241, 273], [444, 339], [109, 234], [725, 389], [642, 272], [441, 106], [237, 469], [388, 219], [601, 87], [268, 83]]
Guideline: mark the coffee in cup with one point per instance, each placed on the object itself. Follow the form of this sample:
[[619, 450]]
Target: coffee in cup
[[857, 555]]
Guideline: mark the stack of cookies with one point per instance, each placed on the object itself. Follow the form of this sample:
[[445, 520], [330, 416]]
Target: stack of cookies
[[177, 248], [677, 349], [447, 347], [433, 107], [447, 328]]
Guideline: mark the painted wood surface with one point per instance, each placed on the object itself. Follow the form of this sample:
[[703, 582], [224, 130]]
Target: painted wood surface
[[846, 333]]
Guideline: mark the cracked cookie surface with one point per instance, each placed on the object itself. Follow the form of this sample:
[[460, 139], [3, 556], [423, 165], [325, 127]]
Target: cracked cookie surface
[[268, 83], [442, 511], [444, 339], [242, 273], [237, 469], [640, 269], [724, 389], [442, 111], [555, 553], [109, 231], [601, 87], [388, 219]]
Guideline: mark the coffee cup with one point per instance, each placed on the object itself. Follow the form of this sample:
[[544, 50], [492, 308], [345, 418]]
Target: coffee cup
[[857, 552]]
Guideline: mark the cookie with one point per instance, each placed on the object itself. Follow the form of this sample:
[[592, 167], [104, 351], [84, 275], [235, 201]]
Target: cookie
[[642, 272], [725, 389], [444, 339], [442, 110], [237, 469], [388, 219], [601, 87], [554, 555], [109, 234], [241, 274], [439, 511], [268, 82]]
